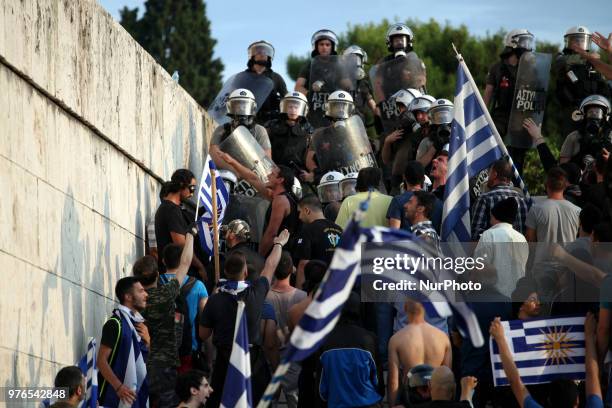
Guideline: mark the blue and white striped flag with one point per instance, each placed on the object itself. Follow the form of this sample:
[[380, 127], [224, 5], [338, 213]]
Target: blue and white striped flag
[[237, 387], [473, 146], [323, 312], [543, 350], [87, 365], [204, 223]]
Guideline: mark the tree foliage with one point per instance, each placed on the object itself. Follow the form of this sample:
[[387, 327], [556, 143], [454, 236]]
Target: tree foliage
[[177, 34], [432, 42]]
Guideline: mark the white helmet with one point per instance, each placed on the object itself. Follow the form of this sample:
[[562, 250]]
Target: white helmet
[[261, 47], [238, 227], [579, 35], [596, 101], [328, 189], [399, 29], [294, 98], [421, 103], [324, 34], [347, 185], [441, 112], [241, 102], [356, 50], [229, 179], [406, 96], [520, 38], [339, 105]]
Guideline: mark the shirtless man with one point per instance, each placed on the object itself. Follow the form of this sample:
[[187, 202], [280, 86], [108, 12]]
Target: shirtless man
[[417, 343]]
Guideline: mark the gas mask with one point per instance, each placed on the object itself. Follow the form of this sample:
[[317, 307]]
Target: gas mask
[[408, 122], [243, 120]]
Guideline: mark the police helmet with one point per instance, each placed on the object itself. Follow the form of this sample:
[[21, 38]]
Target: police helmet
[[348, 185], [421, 103], [339, 105], [324, 34], [328, 189], [294, 98], [261, 47], [579, 35], [441, 112], [241, 102], [399, 29], [356, 50], [520, 38], [406, 96], [601, 105], [238, 227]]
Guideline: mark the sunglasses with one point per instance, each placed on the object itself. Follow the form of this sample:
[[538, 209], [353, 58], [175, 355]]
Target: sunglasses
[[192, 188]]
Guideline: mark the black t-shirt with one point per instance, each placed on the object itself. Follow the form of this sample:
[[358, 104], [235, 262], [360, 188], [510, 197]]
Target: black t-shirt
[[220, 313], [318, 240], [110, 332], [168, 218]]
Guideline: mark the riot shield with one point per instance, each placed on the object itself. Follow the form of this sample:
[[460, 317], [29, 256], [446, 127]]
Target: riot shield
[[343, 147], [529, 97], [328, 74], [243, 147], [388, 77], [260, 85]]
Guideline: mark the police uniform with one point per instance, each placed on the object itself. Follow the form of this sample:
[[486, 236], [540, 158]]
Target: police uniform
[[502, 77], [289, 143], [270, 108]]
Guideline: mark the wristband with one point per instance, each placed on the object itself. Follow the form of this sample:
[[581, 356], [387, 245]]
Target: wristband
[[278, 243]]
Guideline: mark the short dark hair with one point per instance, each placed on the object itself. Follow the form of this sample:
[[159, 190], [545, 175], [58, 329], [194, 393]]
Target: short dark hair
[[284, 267], [311, 201], [172, 255], [590, 216], [556, 179], [182, 176], [287, 174], [524, 287], [367, 178], [314, 272], [70, 377], [572, 171], [503, 168], [186, 381], [414, 173], [563, 393], [124, 287], [146, 270], [426, 200], [234, 264], [603, 232]]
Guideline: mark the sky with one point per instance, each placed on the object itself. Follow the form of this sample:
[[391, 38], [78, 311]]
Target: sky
[[288, 25]]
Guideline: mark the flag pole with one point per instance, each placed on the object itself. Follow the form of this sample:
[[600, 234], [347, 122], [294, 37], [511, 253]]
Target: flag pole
[[213, 191], [498, 138]]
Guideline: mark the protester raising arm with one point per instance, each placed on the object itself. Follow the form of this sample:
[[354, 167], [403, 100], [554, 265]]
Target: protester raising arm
[[272, 261], [601, 67], [546, 156]]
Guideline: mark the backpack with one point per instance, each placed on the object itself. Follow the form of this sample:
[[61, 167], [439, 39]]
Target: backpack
[[183, 326]]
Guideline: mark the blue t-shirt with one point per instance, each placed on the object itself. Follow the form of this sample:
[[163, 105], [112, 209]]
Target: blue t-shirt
[[396, 210], [197, 292], [592, 401]]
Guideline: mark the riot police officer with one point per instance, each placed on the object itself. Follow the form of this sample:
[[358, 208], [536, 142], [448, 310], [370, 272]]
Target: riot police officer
[[241, 108], [399, 39], [576, 77], [593, 135], [324, 42], [440, 116], [398, 146], [363, 95], [330, 194], [501, 80], [290, 133], [261, 54]]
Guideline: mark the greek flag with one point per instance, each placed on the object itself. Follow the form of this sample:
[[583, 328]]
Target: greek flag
[[87, 364], [543, 350], [473, 146], [204, 223], [237, 387], [324, 311]]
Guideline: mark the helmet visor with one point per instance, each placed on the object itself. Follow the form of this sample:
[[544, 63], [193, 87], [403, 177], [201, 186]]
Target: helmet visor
[[293, 107], [420, 105], [339, 109], [441, 115], [583, 41], [263, 49], [526, 41], [594, 112], [348, 187], [329, 192], [241, 107]]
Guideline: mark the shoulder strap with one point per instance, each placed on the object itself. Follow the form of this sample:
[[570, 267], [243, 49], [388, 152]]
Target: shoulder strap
[[186, 288]]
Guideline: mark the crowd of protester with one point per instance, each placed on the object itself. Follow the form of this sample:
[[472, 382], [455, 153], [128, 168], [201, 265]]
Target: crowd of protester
[[179, 321]]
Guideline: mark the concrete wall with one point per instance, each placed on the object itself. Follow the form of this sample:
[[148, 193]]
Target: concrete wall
[[89, 124]]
